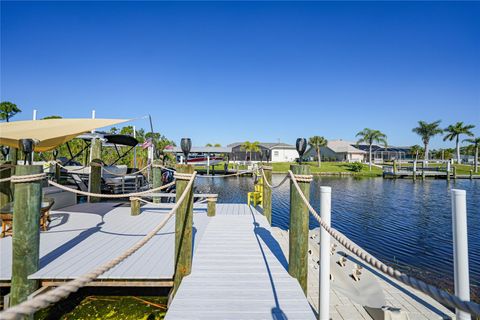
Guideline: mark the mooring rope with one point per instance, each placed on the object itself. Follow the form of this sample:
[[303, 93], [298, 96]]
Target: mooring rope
[[25, 178], [102, 195], [225, 175], [29, 307], [434, 292], [268, 183]]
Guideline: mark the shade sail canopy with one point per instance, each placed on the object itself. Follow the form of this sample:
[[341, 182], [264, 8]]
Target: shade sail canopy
[[50, 133]]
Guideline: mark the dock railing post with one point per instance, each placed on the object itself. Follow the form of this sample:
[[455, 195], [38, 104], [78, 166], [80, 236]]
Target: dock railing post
[[157, 177], [460, 249], [267, 194], [26, 234], [134, 206], [183, 229], [415, 170], [95, 181], [324, 294], [448, 170], [211, 206], [298, 235]]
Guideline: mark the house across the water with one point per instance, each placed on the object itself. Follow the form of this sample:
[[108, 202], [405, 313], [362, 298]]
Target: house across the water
[[275, 151], [342, 150]]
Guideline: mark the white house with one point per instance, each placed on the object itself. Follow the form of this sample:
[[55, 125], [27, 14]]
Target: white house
[[279, 152], [338, 150]]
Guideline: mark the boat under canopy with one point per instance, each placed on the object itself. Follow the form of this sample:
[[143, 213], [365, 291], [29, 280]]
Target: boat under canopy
[[50, 133]]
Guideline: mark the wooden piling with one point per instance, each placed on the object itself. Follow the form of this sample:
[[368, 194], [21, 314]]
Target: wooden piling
[[5, 190], [267, 194], [26, 235], [211, 206], [298, 242], [95, 181], [157, 177], [134, 206], [394, 167], [183, 229], [454, 173], [423, 170], [57, 172]]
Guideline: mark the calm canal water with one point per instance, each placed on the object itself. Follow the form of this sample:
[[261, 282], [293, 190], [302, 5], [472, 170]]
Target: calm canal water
[[401, 222]]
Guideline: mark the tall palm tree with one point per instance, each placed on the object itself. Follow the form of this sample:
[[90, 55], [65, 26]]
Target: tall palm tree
[[254, 147], [454, 131], [317, 142], [370, 137], [426, 131], [475, 142]]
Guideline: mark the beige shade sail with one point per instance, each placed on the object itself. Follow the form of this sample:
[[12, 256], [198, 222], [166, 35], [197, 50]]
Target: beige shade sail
[[50, 133]]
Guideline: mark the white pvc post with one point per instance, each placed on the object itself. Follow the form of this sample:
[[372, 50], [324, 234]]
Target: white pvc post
[[460, 249], [93, 117], [324, 292], [34, 117]]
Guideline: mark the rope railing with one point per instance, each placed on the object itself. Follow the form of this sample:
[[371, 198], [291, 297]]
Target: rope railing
[[432, 291], [273, 186], [39, 302], [113, 196]]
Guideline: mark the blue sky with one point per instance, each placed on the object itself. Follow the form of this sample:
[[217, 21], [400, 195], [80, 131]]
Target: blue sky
[[221, 72]]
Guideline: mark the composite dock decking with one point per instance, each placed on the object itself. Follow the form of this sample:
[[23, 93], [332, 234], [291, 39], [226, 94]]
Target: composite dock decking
[[86, 235], [239, 272]]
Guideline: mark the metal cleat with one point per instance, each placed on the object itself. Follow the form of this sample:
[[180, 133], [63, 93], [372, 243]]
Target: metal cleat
[[356, 272], [342, 261]]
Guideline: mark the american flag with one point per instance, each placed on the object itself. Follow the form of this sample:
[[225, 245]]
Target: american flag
[[147, 143]]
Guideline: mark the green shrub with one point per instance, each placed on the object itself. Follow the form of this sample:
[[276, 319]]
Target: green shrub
[[355, 167]]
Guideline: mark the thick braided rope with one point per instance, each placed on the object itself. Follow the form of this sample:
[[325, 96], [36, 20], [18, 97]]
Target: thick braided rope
[[275, 186], [183, 176], [438, 294], [66, 168], [25, 178], [5, 166], [44, 300], [102, 195], [145, 201]]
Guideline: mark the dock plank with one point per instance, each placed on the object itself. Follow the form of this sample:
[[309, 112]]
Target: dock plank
[[239, 272]]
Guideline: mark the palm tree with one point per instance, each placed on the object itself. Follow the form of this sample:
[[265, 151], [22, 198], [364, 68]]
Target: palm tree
[[370, 137], [454, 131], [415, 151], [250, 147], [8, 110], [475, 142], [317, 142], [208, 145], [426, 131]]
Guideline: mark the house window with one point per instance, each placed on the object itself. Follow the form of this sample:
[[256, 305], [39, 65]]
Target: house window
[[275, 153]]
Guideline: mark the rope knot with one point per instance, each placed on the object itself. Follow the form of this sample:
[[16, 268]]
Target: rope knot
[[303, 177]]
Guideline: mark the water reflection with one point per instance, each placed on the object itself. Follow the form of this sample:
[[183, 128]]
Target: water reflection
[[396, 220]]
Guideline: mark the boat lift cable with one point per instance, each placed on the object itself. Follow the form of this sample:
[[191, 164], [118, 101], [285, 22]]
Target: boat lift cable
[[434, 292], [41, 301]]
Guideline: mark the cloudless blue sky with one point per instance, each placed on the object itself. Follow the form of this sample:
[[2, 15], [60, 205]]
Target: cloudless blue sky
[[222, 72]]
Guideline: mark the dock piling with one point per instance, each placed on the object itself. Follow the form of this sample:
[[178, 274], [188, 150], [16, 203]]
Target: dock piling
[[211, 206], [298, 235], [157, 177], [5, 190], [95, 181], [267, 194], [26, 234], [183, 229], [134, 206], [324, 293], [454, 173], [460, 249]]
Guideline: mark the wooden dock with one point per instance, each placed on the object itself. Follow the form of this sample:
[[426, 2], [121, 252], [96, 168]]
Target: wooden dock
[[239, 266], [239, 272]]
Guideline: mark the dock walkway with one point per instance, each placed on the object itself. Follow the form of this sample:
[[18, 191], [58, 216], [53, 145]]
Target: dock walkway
[[239, 272]]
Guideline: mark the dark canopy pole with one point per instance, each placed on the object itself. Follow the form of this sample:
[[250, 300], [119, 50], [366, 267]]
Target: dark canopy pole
[[95, 181]]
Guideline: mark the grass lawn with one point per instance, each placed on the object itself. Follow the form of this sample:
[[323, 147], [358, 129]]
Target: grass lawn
[[332, 168]]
